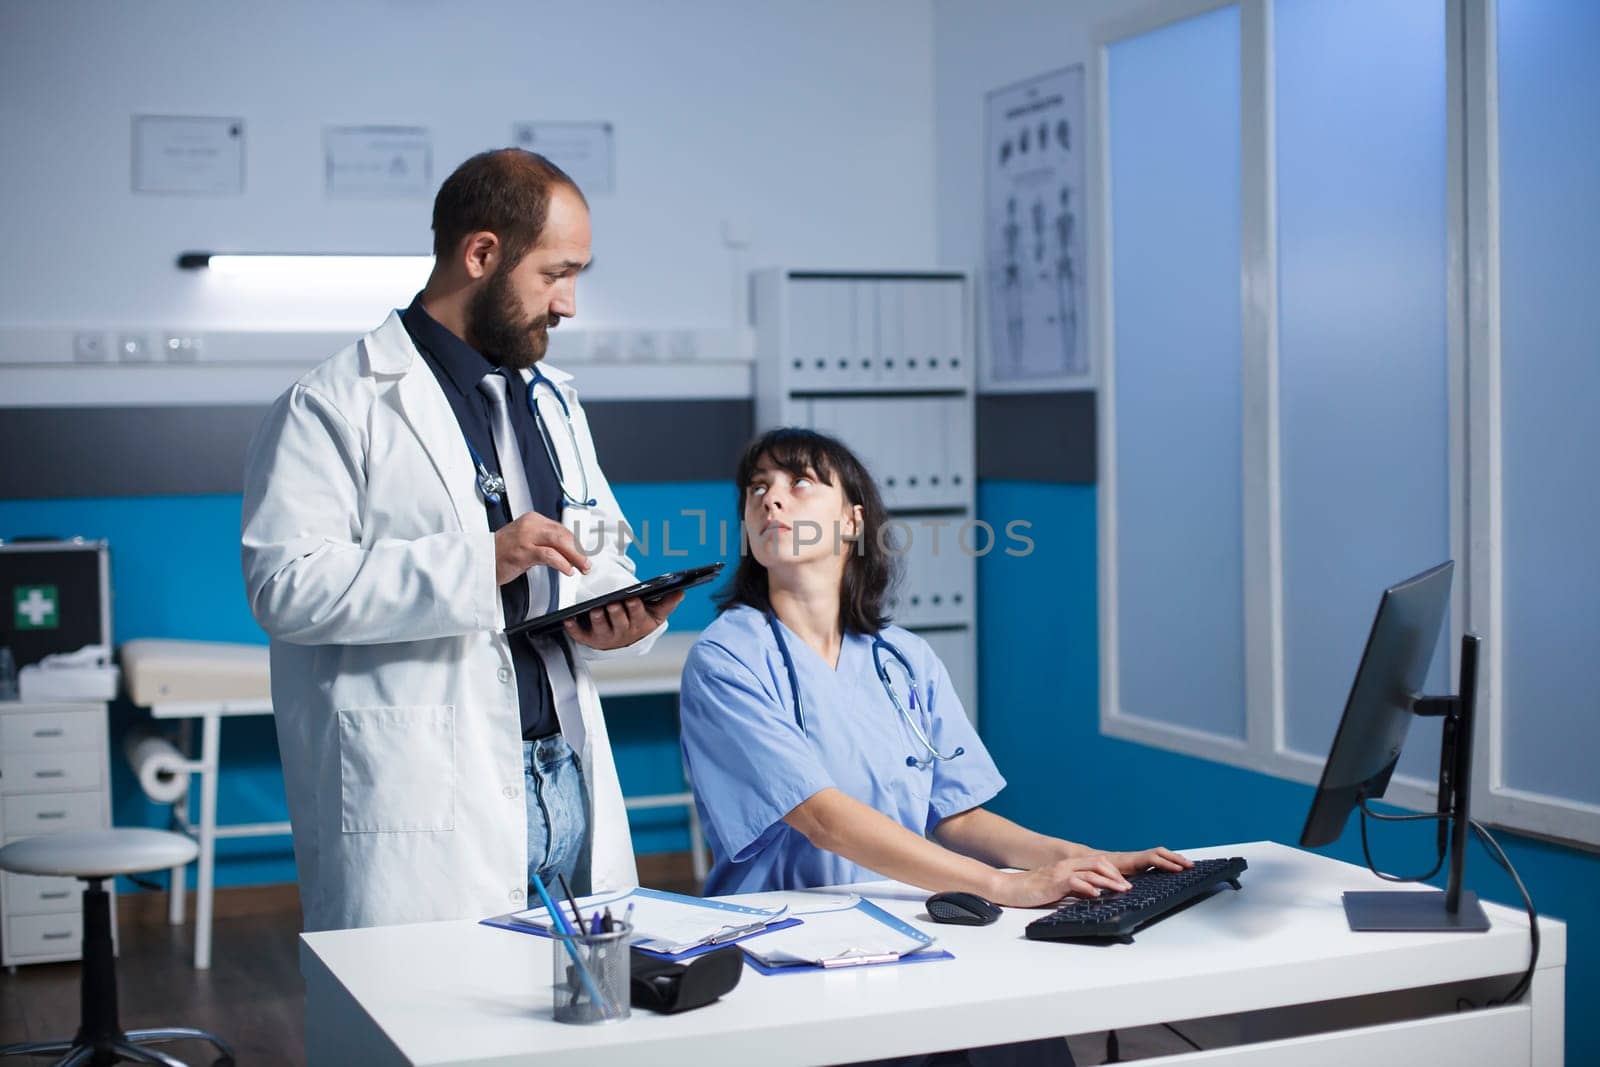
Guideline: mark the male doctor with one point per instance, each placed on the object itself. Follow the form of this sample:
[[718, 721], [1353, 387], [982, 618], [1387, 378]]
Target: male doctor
[[405, 501]]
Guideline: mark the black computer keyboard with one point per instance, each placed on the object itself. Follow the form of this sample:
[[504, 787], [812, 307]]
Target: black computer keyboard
[[1155, 895]]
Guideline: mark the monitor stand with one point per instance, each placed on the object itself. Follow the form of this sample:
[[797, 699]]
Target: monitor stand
[[1455, 909], [1401, 911]]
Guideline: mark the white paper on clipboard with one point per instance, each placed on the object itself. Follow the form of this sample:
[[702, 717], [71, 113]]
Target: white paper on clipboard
[[668, 922], [862, 933]]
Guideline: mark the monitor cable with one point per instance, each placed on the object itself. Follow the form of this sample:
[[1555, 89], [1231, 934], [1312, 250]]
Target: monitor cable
[[1366, 851], [1497, 854]]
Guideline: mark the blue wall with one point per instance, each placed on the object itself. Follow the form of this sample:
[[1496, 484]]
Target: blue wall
[[1040, 718]]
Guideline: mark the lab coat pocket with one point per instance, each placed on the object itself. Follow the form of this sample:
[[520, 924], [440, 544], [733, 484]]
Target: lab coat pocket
[[397, 768]]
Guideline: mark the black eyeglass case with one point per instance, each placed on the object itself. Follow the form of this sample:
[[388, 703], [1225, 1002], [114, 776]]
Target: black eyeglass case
[[668, 987]]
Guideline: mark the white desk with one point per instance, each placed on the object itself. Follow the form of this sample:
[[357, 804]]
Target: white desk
[[460, 993]]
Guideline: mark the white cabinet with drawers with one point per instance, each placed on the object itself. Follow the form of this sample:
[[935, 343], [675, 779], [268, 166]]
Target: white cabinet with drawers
[[55, 776]]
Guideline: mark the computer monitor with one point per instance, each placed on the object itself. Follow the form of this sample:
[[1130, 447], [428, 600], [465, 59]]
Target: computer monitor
[[1386, 693]]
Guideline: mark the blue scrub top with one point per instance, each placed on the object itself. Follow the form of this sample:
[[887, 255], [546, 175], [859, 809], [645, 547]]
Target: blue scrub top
[[751, 764]]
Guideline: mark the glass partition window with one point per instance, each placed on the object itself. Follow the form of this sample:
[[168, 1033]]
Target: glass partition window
[[1174, 161], [1548, 729], [1345, 263], [1363, 376]]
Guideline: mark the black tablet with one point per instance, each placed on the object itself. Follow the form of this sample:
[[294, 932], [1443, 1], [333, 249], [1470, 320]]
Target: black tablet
[[650, 592]]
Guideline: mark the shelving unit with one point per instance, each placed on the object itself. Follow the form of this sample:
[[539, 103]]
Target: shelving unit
[[883, 361]]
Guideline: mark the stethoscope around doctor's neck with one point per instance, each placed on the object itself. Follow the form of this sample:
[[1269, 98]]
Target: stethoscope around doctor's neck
[[880, 648], [491, 486]]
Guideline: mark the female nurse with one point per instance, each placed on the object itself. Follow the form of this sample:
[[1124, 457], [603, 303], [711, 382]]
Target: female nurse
[[827, 746]]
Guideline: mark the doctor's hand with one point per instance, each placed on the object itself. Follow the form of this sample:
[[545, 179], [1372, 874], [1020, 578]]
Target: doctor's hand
[[1082, 876], [620, 625], [533, 541]]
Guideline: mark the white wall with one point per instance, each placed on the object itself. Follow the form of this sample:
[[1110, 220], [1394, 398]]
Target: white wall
[[809, 125], [978, 48]]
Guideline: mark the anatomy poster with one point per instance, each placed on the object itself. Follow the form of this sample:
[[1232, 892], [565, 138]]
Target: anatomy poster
[[1034, 240]]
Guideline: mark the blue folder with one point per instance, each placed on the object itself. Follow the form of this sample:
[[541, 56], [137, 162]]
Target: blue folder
[[812, 968], [506, 922], [866, 907]]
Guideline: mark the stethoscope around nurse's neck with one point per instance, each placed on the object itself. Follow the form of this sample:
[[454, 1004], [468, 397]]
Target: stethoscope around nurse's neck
[[880, 648], [492, 486]]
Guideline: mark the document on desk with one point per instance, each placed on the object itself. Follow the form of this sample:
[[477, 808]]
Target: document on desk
[[670, 924], [796, 902], [842, 937]]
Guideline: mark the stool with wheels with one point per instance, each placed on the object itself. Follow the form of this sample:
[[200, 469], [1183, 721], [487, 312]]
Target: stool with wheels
[[93, 857]]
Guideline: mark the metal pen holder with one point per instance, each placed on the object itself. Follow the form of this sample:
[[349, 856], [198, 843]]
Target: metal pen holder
[[589, 975]]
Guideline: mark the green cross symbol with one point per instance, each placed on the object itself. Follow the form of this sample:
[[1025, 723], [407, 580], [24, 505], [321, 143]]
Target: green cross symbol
[[38, 607]]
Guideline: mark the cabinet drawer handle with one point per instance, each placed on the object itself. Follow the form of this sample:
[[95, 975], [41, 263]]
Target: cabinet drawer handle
[[49, 774], [61, 936], [53, 732], [52, 815], [60, 894]]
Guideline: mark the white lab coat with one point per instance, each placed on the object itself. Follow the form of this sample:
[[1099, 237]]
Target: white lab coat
[[369, 561]]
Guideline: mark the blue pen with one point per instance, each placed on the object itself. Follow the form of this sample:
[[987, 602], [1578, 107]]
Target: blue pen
[[594, 925], [572, 948]]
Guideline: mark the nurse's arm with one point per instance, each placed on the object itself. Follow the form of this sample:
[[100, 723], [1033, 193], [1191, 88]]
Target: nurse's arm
[[996, 840], [992, 838], [840, 824]]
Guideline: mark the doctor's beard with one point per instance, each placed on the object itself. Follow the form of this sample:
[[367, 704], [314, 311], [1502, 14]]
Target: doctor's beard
[[496, 329]]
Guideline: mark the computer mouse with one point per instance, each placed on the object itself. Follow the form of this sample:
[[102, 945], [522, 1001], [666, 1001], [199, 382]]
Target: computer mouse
[[963, 909]]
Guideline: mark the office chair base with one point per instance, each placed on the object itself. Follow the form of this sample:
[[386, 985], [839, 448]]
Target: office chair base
[[122, 1047]]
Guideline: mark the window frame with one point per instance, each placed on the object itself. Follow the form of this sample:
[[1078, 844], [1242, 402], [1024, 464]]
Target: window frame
[[1474, 425]]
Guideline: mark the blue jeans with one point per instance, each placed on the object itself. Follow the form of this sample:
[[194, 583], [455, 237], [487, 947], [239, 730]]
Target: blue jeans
[[558, 814]]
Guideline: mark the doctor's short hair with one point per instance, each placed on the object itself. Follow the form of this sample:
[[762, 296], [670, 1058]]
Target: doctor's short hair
[[870, 569], [506, 192]]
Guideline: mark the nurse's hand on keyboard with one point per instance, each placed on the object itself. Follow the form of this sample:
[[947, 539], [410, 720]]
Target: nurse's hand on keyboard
[[1082, 876], [1162, 859]]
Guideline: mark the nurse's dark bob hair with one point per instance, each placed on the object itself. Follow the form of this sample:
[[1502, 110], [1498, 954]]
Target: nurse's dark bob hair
[[869, 570]]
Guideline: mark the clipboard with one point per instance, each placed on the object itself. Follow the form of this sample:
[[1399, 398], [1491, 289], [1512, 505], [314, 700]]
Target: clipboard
[[506, 922], [889, 940], [730, 924], [649, 591], [927, 956]]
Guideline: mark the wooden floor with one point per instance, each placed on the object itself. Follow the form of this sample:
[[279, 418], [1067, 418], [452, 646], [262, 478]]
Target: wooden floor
[[253, 996]]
